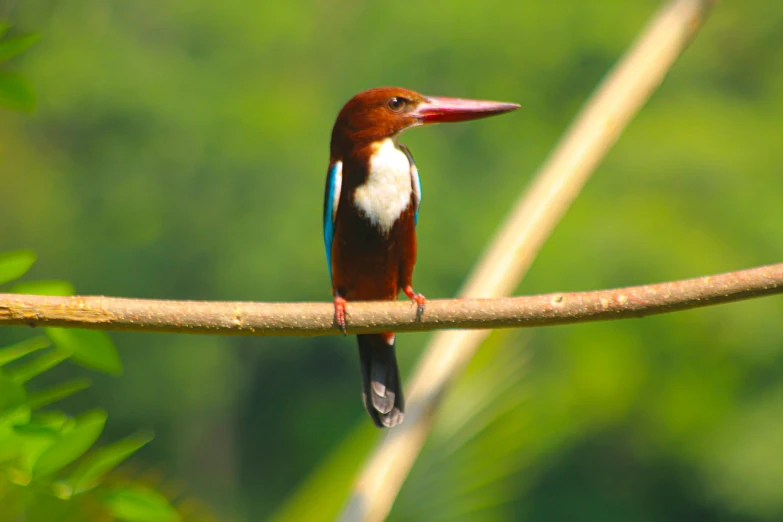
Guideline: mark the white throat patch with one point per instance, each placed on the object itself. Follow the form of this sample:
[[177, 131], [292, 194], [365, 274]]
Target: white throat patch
[[387, 191]]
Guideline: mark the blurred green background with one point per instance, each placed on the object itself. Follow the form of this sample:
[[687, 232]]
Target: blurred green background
[[179, 151]]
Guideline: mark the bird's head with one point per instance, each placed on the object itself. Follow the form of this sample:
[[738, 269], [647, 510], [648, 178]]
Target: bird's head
[[385, 112]]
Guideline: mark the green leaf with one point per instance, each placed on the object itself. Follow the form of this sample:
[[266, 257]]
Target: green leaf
[[43, 288], [18, 350], [36, 367], [11, 443], [137, 504], [32, 439], [7, 422], [52, 419], [104, 460], [14, 265], [89, 348], [12, 394], [16, 92], [71, 445], [46, 397], [4, 27], [37, 430], [13, 46]]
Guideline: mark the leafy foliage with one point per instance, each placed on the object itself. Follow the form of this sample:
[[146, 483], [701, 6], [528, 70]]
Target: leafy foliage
[[137, 504], [14, 265], [15, 91], [46, 454]]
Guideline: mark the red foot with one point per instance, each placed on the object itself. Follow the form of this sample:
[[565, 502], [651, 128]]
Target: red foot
[[419, 299], [339, 313]]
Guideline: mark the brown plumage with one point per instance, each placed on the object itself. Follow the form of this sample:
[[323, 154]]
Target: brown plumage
[[371, 207]]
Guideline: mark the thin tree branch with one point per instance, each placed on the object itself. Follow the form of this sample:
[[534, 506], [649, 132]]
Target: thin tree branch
[[307, 319], [505, 261]]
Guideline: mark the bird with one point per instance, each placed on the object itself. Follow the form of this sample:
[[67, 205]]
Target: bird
[[371, 209]]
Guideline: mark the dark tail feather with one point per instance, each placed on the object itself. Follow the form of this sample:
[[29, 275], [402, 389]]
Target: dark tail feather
[[381, 380]]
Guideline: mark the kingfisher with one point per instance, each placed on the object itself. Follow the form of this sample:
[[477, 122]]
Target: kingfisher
[[371, 208]]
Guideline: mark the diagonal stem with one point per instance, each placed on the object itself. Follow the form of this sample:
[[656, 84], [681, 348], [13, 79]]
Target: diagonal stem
[[511, 252]]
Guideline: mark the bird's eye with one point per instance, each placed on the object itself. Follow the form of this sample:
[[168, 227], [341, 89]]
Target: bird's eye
[[397, 104]]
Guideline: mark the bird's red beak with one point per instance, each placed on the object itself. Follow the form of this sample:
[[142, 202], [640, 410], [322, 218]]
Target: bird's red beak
[[437, 109]]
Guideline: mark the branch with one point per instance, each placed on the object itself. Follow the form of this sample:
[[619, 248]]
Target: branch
[[508, 256], [307, 319]]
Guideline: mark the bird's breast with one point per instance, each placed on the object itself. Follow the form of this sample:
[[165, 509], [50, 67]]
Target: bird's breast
[[386, 193]]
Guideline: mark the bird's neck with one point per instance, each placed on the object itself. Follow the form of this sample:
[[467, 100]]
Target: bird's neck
[[385, 190]]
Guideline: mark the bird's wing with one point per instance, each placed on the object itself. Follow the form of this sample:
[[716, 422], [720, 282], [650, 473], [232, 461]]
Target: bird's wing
[[415, 183], [334, 182]]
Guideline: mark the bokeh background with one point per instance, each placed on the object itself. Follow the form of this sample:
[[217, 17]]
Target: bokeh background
[[179, 150]]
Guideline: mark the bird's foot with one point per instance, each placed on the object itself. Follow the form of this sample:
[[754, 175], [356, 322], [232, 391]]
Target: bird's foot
[[419, 299], [339, 313]]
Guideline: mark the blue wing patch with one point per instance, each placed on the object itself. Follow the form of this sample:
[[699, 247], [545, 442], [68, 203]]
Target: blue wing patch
[[415, 183], [334, 182]]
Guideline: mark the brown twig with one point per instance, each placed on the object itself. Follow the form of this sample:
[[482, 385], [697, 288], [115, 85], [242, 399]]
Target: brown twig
[[307, 319]]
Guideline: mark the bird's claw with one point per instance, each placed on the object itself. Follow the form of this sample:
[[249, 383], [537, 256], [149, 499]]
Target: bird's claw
[[339, 313], [417, 298]]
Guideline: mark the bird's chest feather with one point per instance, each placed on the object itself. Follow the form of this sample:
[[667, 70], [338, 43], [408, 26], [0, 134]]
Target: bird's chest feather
[[386, 193]]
